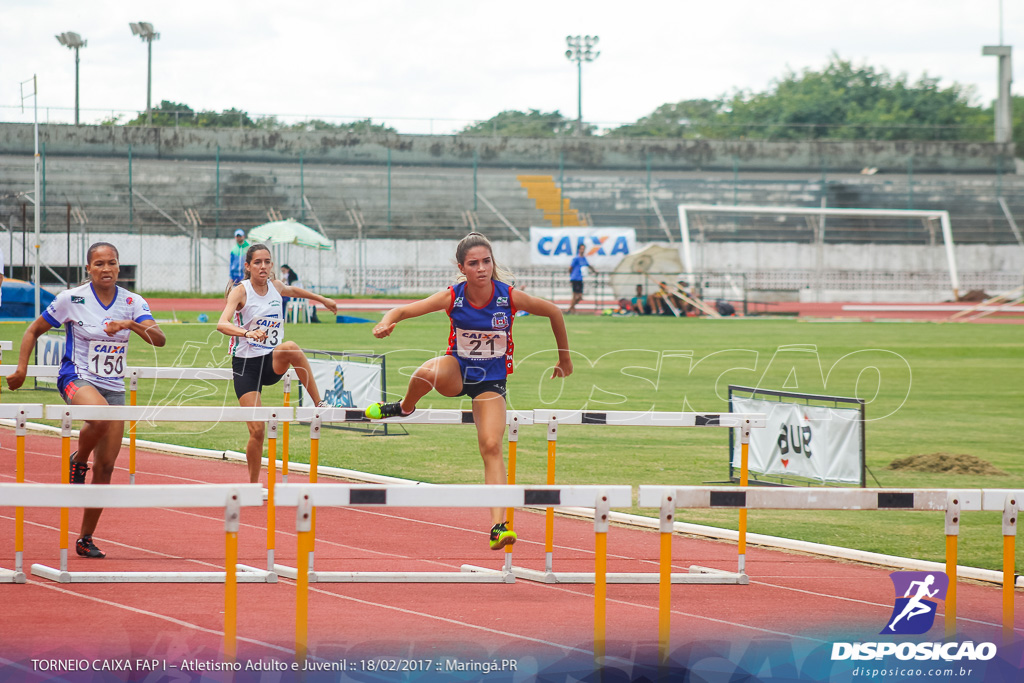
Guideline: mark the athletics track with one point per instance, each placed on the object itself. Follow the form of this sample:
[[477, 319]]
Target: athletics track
[[794, 602], [922, 312]]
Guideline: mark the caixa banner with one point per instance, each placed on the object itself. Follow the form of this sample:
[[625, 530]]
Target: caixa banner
[[603, 247]]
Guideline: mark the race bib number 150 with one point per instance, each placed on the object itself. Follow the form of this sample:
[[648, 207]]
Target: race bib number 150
[[107, 359]]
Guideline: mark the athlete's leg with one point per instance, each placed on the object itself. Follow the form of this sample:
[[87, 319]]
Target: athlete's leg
[[289, 355], [95, 439], [489, 417], [92, 431], [441, 374], [254, 447], [103, 459]]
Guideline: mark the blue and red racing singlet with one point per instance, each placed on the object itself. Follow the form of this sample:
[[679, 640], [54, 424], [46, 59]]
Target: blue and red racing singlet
[[481, 338]]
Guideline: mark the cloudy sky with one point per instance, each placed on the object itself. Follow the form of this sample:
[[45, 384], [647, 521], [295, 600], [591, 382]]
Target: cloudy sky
[[433, 66]]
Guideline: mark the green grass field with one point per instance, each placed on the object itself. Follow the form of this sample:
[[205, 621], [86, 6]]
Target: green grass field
[[932, 388]]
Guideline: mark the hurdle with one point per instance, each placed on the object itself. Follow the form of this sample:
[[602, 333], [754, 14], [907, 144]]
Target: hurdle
[[231, 497], [66, 414], [952, 502], [469, 573], [19, 413], [132, 376], [553, 418], [307, 496]]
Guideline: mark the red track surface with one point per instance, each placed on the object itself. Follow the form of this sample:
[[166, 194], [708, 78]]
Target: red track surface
[[806, 601], [800, 310]]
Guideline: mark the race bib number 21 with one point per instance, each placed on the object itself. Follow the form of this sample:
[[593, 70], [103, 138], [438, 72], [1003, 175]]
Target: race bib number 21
[[480, 345], [107, 359]]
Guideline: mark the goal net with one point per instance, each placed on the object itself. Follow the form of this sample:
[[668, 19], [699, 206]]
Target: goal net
[[818, 230]]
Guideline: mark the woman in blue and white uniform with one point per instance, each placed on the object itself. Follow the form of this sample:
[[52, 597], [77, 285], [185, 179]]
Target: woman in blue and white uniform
[[254, 318], [98, 318], [481, 307]]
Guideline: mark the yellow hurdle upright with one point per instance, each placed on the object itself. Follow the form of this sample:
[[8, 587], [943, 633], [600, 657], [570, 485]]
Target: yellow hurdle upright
[[1011, 510], [284, 429], [271, 476], [232, 517]]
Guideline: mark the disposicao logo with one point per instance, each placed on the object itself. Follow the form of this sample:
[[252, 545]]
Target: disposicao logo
[[916, 603], [916, 595]]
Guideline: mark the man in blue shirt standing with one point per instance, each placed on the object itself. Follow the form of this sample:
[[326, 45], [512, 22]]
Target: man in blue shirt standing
[[236, 269], [576, 277]]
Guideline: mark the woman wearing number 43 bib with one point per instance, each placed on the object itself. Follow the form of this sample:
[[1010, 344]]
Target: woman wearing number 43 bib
[[253, 318], [98, 318], [481, 307]]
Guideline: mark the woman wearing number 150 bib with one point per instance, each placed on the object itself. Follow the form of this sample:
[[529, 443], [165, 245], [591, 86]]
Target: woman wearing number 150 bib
[[98, 318], [260, 356]]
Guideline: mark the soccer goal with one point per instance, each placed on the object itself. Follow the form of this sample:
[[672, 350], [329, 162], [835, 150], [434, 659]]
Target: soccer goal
[[815, 226]]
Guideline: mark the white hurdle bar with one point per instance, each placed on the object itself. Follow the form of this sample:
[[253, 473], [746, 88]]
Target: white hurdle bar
[[622, 418], [272, 415], [950, 501], [306, 496], [319, 416], [20, 413], [231, 497]]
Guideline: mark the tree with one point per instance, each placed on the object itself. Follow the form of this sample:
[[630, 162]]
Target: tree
[[844, 101], [686, 119], [361, 126], [531, 124]]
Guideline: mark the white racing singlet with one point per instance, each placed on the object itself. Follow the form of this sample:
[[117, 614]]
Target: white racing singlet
[[262, 313]]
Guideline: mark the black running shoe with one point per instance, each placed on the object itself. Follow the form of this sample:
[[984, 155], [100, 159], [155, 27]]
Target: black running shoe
[[379, 411], [77, 471], [501, 536], [86, 548]]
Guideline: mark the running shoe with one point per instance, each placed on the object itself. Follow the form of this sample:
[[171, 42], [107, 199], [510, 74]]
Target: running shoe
[[77, 470], [379, 411], [501, 536], [324, 404], [86, 548]]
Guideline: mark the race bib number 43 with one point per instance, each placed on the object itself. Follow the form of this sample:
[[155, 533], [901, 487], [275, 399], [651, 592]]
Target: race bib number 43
[[274, 327], [107, 359], [480, 345]]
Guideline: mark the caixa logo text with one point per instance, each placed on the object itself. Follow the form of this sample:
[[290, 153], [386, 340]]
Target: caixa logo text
[[949, 652]]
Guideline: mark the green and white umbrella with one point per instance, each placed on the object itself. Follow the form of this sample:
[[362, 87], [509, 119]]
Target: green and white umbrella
[[289, 232]]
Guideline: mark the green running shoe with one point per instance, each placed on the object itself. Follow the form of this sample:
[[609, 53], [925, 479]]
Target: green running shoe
[[501, 536], [379, 411]]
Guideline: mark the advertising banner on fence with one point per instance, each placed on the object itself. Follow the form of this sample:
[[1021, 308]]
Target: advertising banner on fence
[[603, 247], [50, 351], [345, 384], [815, 442]]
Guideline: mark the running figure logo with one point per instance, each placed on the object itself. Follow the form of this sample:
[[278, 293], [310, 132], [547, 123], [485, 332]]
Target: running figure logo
[[913, 612]]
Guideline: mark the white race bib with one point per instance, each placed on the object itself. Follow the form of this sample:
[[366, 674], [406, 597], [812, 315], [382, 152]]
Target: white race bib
[[107, 358], [274, 327], [480, 345]]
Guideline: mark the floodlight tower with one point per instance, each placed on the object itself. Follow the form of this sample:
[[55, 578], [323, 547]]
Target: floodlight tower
[[144, 30], [581, 49], [73, 41]]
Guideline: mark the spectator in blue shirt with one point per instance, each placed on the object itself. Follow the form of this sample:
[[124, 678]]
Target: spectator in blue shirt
[[236, 268], [576, 277]]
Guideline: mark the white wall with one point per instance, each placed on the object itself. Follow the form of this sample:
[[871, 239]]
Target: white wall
[[166, 261]]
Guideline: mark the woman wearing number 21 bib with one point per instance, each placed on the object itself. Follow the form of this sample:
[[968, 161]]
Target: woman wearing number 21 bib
[[98, 318], [260, 356], [481, 308]]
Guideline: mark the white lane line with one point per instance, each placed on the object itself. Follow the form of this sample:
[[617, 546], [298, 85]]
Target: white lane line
[[155, 615]]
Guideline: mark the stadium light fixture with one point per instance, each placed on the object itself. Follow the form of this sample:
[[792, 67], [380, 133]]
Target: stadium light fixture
[[144, 30], [73, 41], [581, 49]]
